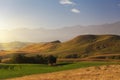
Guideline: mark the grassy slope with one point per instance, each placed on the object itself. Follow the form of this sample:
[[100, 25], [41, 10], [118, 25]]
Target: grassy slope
[[81, 45], [28, 69]]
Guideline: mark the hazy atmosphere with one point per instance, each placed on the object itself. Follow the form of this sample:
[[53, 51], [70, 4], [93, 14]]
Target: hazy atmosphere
[[59, 39], [47, 20]]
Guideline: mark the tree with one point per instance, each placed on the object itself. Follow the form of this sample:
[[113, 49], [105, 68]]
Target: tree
[[38, 59], [52, 60], [18, 58]]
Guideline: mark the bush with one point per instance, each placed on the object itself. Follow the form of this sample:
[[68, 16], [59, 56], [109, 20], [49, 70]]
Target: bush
[[38, 59], [18, 58], [52, 60]]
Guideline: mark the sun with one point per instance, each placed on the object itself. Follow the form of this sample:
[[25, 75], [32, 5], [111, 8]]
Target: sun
[[4, 36]]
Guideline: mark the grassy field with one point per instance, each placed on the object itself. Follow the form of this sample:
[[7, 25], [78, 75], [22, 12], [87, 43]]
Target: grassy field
[[28, 69]]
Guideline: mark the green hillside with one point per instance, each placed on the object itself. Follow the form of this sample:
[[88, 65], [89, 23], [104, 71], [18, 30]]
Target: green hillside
[[80, 46]]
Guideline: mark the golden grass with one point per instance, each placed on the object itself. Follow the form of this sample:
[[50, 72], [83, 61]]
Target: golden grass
[[109, 72]]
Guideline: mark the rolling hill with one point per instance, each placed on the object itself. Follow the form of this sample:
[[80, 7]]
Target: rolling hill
[[13, 45], [80, 46]]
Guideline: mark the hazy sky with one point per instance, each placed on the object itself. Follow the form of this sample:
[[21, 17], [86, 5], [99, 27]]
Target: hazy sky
[[57, 13]]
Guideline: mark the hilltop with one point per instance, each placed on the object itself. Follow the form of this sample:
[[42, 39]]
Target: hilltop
[[80, 46]]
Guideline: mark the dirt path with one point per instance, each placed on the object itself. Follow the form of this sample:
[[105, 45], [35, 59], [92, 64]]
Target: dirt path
[[111, 72]]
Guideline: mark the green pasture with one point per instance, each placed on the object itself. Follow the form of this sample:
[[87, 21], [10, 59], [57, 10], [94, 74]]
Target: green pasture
[[18, 70]]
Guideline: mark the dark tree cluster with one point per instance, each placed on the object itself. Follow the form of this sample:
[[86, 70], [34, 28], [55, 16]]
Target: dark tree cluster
[[38, 59]]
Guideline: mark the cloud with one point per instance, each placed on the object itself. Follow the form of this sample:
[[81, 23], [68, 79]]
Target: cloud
[[74, 10], [68, 2]]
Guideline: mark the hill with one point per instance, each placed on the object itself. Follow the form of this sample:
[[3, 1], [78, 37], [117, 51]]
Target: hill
[[13, 45], [80, 46]]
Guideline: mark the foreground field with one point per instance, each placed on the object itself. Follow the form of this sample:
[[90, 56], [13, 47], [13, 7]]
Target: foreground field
[[29, 69], [109, 72]]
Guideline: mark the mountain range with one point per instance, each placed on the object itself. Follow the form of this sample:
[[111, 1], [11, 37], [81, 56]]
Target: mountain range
[[91, 40], [80, 46], [62, 34]]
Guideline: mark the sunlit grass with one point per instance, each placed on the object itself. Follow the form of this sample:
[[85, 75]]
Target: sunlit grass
[[28, 69]]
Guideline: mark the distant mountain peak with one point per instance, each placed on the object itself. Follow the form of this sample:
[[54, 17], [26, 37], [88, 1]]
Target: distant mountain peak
[[56, 41]]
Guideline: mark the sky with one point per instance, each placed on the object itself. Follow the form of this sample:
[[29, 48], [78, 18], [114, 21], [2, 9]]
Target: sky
[[52, 14]]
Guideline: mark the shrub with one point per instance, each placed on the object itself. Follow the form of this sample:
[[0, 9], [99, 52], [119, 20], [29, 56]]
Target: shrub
[[18, 58], [52, 60], [38, 59]]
